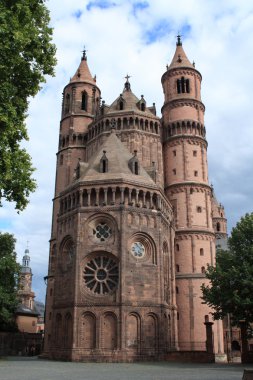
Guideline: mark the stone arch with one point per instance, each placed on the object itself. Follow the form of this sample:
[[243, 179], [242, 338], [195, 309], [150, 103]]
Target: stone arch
[[130, 218], [145, 221], [103, 219], [67, 251], [165, 248], [52, 258], [67, 331], [87, 334], [150, 328], [149, 247], [109, 331], [58, 329], [133, 338]]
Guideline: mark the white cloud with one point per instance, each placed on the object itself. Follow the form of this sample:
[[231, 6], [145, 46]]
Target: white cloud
[[218, 36]]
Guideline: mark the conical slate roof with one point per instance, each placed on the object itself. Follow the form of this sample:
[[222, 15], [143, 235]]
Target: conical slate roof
[[83, 72], [118, 164], [180, 58]]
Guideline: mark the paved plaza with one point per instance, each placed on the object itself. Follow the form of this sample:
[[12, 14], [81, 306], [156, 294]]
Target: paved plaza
[[16, 368]]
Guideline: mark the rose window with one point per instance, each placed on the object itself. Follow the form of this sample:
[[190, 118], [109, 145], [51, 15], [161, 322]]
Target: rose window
[[101, 275], [102, 231]]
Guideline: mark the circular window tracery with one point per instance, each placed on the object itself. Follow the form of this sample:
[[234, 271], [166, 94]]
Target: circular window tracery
[[138, 249], [101, 275], [102, 231]]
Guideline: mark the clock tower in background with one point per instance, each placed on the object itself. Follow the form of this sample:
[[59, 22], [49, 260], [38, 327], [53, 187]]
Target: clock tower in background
[[25, 293]]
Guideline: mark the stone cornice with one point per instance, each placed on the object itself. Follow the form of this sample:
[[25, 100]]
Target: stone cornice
[[184, 102], [219, 218], [104, 183], [127, 131], [179, 71], [190, 275], [185, 137], [187, 184], [76, 114], [194, 231]]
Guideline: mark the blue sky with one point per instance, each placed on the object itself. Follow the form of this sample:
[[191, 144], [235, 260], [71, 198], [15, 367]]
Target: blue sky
[[138, 37]]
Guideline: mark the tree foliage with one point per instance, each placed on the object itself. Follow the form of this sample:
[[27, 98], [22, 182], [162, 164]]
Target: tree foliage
[[9, 275], [231, 280], [27, 56]]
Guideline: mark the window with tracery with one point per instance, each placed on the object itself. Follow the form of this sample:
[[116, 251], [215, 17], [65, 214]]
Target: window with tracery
[[101, 275], [102, 231]]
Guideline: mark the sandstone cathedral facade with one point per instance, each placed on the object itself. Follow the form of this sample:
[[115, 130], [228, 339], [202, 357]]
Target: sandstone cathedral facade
[[135, 222]]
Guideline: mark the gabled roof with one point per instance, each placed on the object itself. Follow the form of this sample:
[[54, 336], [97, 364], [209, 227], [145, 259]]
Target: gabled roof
[[130, 101], [118, 164]]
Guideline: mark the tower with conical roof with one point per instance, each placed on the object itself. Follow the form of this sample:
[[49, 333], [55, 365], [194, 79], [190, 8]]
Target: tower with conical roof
[[111, 279], [188, 190], [132, 228]]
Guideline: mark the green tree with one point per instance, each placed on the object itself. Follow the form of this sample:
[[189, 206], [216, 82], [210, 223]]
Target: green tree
[[9, 275], [26, 57], [231, 280]]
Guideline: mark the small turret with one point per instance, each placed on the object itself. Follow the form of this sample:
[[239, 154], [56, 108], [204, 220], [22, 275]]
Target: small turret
[[26, 262]]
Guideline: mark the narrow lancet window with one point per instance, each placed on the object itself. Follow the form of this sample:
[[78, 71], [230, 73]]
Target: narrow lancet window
[[84, 101], [134, 165], [183, 85], [67, 103], [103, 167]]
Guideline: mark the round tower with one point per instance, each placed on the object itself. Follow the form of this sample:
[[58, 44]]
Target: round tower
[[81, 102], [187, 188], [219, 222]]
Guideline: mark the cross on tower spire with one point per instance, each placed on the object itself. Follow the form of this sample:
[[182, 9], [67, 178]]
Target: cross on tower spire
[[127, 84], [179, 42], [84, 57]]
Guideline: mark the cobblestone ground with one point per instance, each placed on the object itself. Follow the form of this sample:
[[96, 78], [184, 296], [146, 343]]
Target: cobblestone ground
[[16, 368]]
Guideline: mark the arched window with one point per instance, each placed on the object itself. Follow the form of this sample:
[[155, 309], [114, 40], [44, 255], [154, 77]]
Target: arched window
[[179, 86], [143, 107], [136, 168], [203, 270], [218, 226], [187, 85], [201, 251], [183, 85], [84, 101], [134, 165], [177, 268], [67, 103], [103, 167], [121, 105]]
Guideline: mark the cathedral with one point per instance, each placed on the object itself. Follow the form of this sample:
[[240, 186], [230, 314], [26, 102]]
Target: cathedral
[[135, 223]]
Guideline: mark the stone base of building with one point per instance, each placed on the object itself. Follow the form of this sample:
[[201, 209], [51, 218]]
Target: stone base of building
[[221, 358], [127, 356], [190, 357]]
